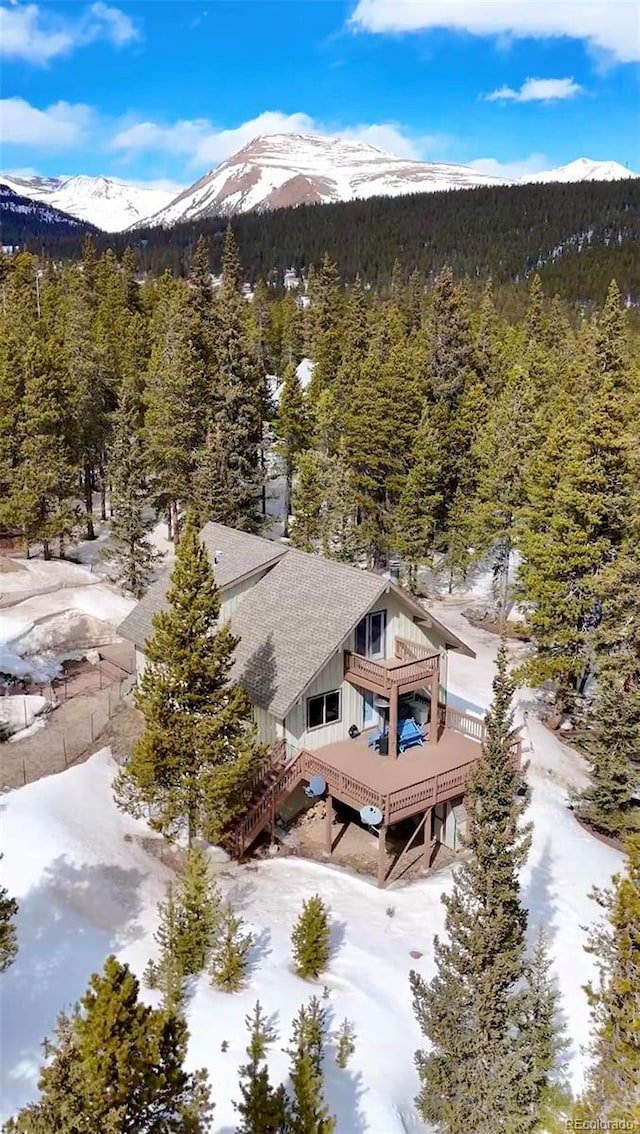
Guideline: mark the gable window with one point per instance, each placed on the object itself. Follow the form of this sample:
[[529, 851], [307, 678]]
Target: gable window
[[371, 635], [324, 709]]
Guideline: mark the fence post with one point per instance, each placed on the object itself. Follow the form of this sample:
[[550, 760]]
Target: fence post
[[92, 736], [64, 749]]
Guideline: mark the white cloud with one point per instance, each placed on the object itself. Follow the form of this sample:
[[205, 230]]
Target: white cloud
[[205, 145], [58, 127], [607, 25], [31, 33], [537, 90], [511, 170]]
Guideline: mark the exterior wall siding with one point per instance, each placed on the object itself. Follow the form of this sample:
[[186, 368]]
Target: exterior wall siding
[[231, 597], [266, 725]]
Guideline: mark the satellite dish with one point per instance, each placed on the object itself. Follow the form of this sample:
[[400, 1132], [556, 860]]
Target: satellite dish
[[371, 816], [317, 786]]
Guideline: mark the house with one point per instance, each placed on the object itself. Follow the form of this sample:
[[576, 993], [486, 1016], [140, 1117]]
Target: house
[[347, 674]]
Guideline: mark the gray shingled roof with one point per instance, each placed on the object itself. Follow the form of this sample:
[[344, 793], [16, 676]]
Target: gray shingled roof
[[293, 620], [237, 555]]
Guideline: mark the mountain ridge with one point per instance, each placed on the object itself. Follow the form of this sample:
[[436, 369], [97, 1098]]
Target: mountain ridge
[[105, 202]]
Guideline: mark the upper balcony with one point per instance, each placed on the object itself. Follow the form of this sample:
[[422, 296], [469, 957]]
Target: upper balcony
[[412, 667]]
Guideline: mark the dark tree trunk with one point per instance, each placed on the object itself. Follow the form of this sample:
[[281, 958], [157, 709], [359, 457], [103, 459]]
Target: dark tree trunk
[[46, 550], [88, 500], [175, 526]]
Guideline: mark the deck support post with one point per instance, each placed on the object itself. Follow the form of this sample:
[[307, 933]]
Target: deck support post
[[328, 826], [435, 705], [382, 856], [428, 837], [393, 724]]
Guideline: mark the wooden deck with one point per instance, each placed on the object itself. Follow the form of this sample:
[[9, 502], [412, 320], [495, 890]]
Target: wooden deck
[[412, 667]]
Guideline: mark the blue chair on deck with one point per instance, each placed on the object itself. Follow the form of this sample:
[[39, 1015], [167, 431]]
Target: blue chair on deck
[[409, 734]]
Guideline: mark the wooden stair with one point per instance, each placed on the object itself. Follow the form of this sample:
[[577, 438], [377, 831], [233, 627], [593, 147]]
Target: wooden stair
[[284, 771]]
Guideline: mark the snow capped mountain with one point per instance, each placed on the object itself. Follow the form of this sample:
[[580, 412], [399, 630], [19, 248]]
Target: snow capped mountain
[[584, 169], [102, 201], [21, 215], [277, 170]]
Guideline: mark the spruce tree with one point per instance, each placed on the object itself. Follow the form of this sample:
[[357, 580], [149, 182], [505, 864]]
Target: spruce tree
[[198, 754], [167, 974], [472, 1076], [230, 952], [117, 1065], [198, 901], [306, 1112], [132, 551], [311, 938], [345, 1043], [308, 500], [294, 429], [613, 1081], [8, 935], [611, 742], [261, 1107], [418, 513], [545, 1043], [451, 341]]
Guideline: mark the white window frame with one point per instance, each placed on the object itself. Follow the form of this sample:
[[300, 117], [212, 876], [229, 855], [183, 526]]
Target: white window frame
[[368, 622]]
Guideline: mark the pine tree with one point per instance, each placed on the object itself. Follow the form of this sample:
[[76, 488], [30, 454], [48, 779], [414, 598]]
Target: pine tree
[[613, 1083], [451, 342], [230, 952], [611, 742], [545, 1043], [294, 430], [167, 974], [175, 394], [117, 1065], [241, 397], [471, 1012], [198, 754], [418, 513], [8, 935], [262, 1107], [199, 911], [345, 1043], [308, 500], [326, 315], [311, 938], [132, 552], [306, 1112], [612, 348]]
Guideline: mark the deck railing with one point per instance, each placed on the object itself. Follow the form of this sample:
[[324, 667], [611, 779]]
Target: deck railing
[[417, 667]]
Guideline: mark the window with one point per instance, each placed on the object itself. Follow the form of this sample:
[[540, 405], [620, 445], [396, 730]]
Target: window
[[324, 709], [371, 634]]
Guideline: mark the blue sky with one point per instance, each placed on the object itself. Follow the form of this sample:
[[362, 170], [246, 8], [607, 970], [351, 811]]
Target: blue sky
[[164, 91]]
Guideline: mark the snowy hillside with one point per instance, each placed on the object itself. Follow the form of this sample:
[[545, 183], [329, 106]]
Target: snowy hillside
[[88, 883], [102, 201]]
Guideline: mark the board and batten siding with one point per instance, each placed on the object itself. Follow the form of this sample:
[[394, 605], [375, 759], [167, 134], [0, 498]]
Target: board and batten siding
[[231, 597], [331, 677]]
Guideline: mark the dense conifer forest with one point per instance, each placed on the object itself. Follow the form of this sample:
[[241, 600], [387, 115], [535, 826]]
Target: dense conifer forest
[[576, 236]]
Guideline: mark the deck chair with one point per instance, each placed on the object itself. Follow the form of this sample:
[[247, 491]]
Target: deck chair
[[409, 734]]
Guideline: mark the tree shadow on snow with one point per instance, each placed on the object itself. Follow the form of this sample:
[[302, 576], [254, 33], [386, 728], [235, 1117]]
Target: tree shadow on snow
[[343, 1092], [337, 938], [67, 925], [260, 950], [539, 897]]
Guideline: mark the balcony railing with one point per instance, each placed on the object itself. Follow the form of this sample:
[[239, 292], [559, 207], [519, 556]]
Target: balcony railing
[[412, 667]]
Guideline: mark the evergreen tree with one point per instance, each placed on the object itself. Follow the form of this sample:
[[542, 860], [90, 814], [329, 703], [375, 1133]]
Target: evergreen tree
[[612, 743], [451, 342], [345, 1043], [117, 1065], [198, 754], [613, 1083], [241, 396], [418, 512], [262, 1107], [198, 901], [306, 1112], [612, 349], [294, 428], [167, 973], [326, 315], [308, 500], [132, 551], [8, 935], [545, 1043], [175, 395], [311, 938], [230, 952], [472, 1011]]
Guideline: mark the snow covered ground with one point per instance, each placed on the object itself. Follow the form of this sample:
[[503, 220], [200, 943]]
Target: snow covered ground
[[87, 885], [22, 715], [51, 611]]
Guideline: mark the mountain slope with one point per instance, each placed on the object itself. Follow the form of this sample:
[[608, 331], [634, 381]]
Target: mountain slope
[[584, 169], [281, 170], [23, 220], [101, 201]]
